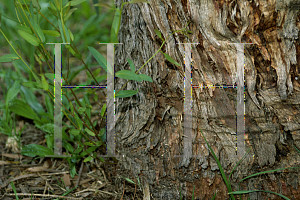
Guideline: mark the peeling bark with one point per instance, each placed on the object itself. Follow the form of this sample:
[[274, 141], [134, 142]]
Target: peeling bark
[[149, 125]]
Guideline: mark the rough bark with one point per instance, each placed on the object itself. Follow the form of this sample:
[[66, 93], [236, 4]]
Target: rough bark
[[149, 125]]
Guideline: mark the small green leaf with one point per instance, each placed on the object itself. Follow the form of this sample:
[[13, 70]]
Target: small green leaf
[[129, 75], [88, 144], [74, 3], [62, 32], [25, 29], [78, 150], [49, 105], [67, 34], [98, 143], [103, 5], [114, 37], [71, 35], [88, 151], [57, 4], [29, 38], [38, 30], [73, 170], [74, 132], [115, 27], [31, 84], [103, 110], [100, 59], [65, 137], [145, 77], [48, 128], [17, 44], [44, 83], [5, 129], [88, 159], [52, 7], [50, 76], [38, 81], [102, 131], [130, 181], [77, 55], [132, 66], [35, 4], [171, 59], [31, 8], [96, 72], [69, 147], [67, 15], [95, 97], [8, 58], [102, 159], [101, 78], [115, 24], [42, 56], [158, 33], [126, 93], [32, 101], [88, 74], [89, 132], [23, 109], [78, 120], [81, 110], [35, 149], [12, 92], [51, 33]]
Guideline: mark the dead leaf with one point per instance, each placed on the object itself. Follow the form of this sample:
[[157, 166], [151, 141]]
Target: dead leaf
[[37, 169], [66, 179], [12, 144], [2, 162], [15, 156]]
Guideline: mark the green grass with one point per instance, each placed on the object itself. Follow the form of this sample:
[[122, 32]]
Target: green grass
[[227, 180]]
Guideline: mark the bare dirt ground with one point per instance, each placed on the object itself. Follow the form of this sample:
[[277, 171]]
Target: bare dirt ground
[[49, 178]]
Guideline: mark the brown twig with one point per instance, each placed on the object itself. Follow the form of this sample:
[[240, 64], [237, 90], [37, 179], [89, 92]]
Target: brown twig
[[104, 175], [134, 192], [44, 195], [79, 176], [28, 175], [123, 191], [91, 190]]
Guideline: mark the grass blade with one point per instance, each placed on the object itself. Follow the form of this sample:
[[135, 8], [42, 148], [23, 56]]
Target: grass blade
[[214, 197], [14, 189], [180, 194], [250, 191], [227, 182], [193, 193], [239, 162], [264, 172], [296, 149]]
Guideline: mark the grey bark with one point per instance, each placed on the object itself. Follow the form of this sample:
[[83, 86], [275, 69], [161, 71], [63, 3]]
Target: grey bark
[[149, 125]]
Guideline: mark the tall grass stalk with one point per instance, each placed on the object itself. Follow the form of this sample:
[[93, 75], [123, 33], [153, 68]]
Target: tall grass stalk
[[227, 181]]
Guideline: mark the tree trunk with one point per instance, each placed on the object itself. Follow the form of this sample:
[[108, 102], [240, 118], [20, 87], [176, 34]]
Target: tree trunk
[[149, 125]]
